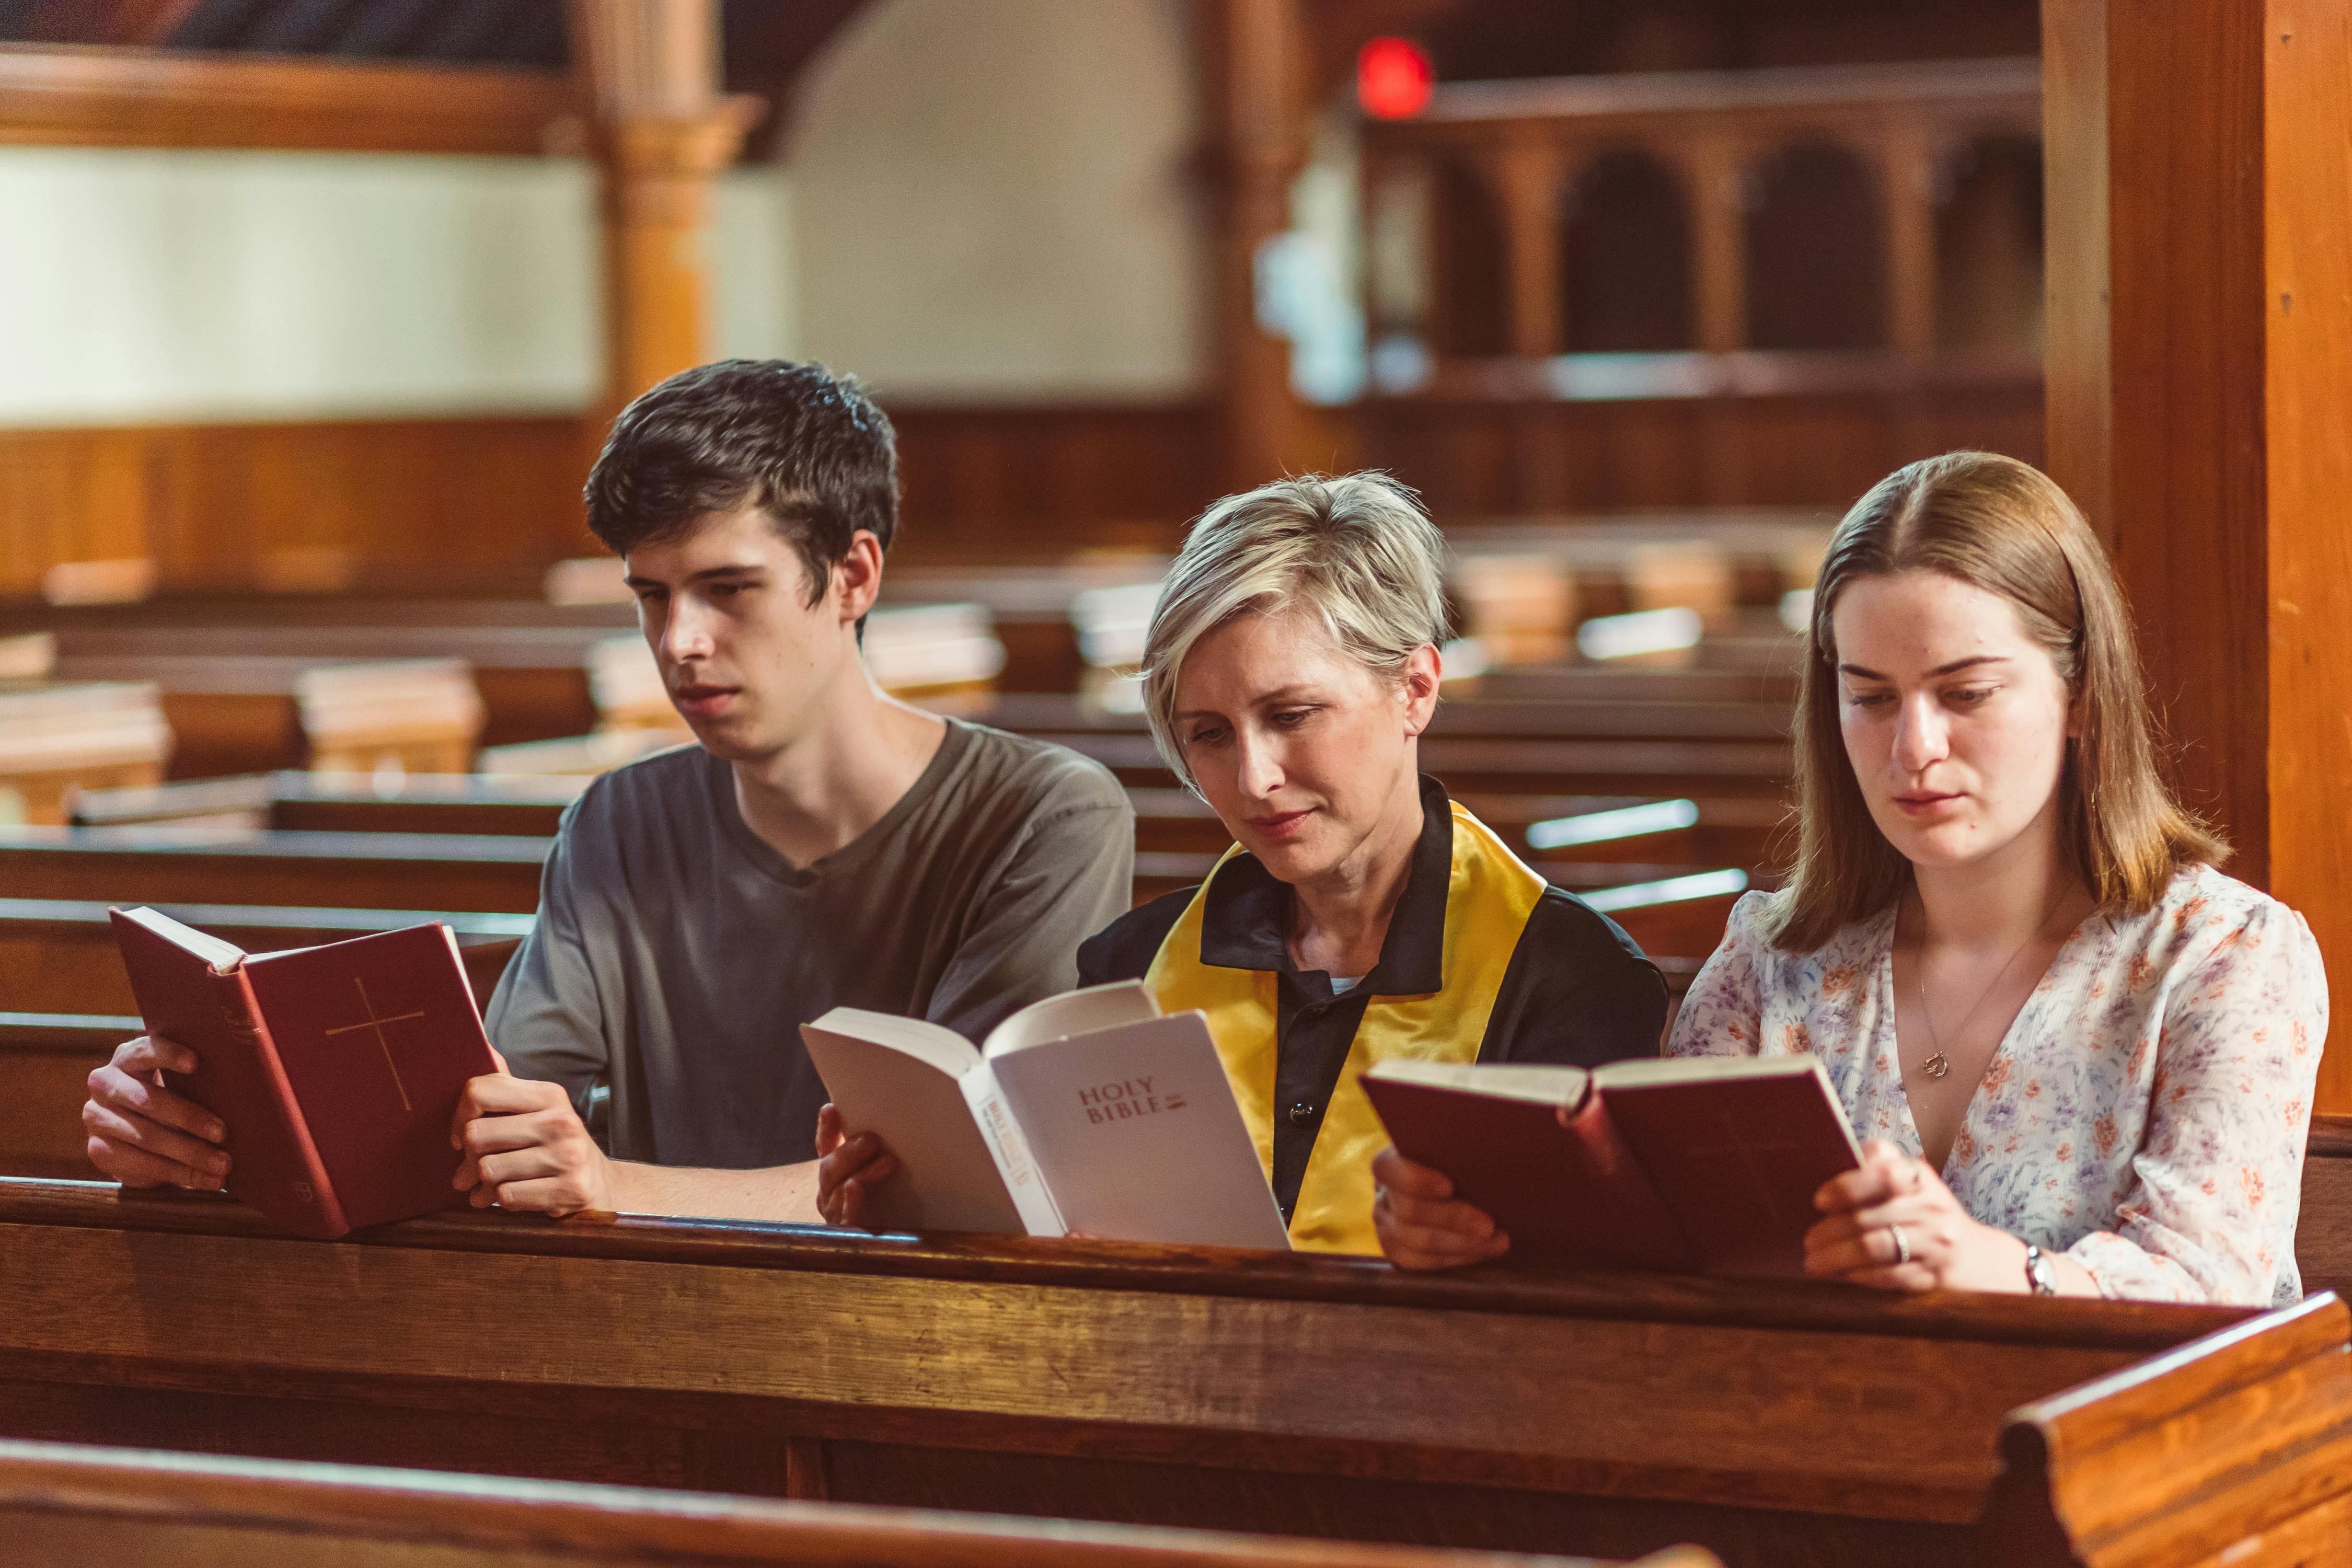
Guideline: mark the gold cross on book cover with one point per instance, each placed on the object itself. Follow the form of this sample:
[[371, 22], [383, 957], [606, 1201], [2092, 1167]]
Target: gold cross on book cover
[[313, 1140]]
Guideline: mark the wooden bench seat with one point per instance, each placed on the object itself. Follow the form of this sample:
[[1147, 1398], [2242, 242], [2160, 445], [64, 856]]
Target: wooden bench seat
[[1773, 1423], [71, 1505], [59, 955], [330, 870]]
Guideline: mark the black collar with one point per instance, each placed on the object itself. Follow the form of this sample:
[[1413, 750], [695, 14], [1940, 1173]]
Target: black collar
[[1245, 921]]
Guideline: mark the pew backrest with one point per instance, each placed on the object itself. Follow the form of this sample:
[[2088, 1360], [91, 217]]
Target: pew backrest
[[65, 1506]]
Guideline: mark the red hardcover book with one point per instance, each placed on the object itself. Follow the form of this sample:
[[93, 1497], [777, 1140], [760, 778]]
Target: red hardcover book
[[1698, 1165], [337, 1068]]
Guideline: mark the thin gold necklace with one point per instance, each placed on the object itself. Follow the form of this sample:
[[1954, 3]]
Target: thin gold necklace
[[1938, 1064]]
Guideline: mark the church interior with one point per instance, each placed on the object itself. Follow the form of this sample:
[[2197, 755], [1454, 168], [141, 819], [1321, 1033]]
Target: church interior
[[316, 314]]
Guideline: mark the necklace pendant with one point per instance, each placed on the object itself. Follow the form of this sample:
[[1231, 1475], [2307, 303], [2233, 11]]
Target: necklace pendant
[[1936, 1065]]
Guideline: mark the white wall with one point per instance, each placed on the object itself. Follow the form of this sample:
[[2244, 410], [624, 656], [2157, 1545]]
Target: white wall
[[992, 201], [982, 200], [169, 286]]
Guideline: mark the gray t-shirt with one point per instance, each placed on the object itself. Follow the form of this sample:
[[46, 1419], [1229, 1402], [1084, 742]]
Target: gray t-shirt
[[677, 954]]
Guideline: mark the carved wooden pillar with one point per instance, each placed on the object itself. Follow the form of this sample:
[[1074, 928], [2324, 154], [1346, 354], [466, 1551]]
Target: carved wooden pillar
[[2200, 368], [1524, 175], [664, 133], [1907, 180], [1715, 174], [1256, 61]]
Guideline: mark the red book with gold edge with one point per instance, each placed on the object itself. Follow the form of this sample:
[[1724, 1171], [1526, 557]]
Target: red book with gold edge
[[1696, 1165], [337, 1068]]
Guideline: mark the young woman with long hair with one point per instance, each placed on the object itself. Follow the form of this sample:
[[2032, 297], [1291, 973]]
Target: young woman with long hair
[[2082, 1056]]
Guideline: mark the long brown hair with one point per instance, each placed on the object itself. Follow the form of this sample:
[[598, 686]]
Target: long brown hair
[[2004, 527]]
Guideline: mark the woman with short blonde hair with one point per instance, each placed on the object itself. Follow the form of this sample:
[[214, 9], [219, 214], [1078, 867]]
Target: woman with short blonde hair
[[1291, 666], [2082, 1056]]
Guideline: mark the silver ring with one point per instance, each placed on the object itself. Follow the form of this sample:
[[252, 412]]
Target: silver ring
[[1901, 1246]]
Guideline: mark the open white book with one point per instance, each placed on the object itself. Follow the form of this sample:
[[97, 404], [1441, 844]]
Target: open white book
[[1088, 1112]]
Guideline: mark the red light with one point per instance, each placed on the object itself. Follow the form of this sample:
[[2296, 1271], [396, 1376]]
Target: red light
[[1392, 79]]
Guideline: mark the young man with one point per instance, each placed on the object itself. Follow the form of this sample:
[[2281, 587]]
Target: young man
[[825, 845]]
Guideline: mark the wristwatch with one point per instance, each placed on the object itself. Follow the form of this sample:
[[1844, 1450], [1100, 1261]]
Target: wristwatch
[[2041, 1279]]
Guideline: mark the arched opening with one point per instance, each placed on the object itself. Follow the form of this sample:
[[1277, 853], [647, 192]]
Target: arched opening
[[1989, 247], [1816, 252], [1625, 258], [1470, 312]]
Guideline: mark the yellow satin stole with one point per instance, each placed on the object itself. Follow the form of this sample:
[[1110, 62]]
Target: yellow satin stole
[[1488, 898]]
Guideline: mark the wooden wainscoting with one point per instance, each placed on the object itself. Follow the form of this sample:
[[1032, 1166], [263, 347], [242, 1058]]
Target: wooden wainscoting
[[455, 505], [483, 505], [1504, 438], [982, 482]]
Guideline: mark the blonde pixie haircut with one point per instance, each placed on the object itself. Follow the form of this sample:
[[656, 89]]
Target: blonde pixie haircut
[[2004, 527], [1356, 551]]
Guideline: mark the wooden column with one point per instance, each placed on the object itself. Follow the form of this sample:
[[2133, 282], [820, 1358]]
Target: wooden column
[[1524, 175], [1906, 168], [1714, 168], [1257, 59], [664, 133], [2199, 223]]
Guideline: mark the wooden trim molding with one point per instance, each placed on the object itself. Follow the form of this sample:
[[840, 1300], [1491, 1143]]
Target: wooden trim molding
[[142, 98]]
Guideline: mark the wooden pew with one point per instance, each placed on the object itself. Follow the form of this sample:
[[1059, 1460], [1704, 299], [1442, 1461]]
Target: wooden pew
[[239, 713], [330, 870], [70, 1505], [1739, 831], [1480, 765], [59, 955], [534, 679], [1579, 718], [59, 737], [46, 1061], [1771, 1422], [2322, 1234], [343, 803]]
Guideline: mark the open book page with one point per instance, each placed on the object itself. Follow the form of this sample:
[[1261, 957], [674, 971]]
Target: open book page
[[1570, 1195], [1079, 1011], [221, 956], [1137, 1137], [1735, 1154], [902, 1080]]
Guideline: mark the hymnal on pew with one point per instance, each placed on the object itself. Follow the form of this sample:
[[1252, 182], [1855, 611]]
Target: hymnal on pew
[[337, 1068], [1700, 1165], [1089, 1111]]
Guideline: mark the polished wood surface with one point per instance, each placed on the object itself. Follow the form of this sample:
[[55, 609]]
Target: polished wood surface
[[2323, 1232], [2238, 1449], [1497, 439], [46, 1061], [663, 135], [59, 955], [1311, 1396], [315, 505], [2200, 394], [65, 1506], [142, 97], [370, 870]]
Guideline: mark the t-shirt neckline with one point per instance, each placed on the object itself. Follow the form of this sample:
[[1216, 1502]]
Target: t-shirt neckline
[[768, 860]]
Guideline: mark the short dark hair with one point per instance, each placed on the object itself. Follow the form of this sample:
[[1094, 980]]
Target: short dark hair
[[805, 445]]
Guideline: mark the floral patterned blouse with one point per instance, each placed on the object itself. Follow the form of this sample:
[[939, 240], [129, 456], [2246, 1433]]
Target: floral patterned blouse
[[2145, 1114]]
